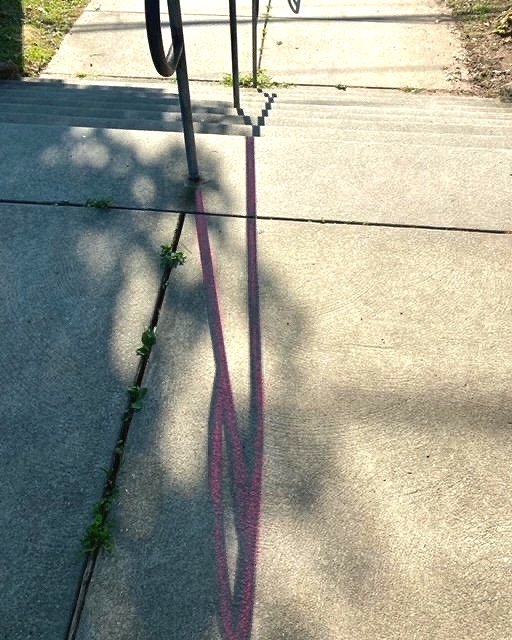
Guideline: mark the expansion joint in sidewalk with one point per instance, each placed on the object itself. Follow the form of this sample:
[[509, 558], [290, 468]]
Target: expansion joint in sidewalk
[[118, 453]]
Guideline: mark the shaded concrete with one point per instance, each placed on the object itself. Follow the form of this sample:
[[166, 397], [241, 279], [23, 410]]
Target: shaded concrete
[[383, 182], [78, 288], [386, 478], [386, 482], [130, 168]]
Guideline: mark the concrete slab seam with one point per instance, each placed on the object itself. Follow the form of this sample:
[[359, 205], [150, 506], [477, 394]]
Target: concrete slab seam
[[117, 455]]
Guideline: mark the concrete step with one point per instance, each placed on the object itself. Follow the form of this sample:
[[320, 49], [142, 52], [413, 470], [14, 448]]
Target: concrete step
[[168, 102], [365, 136], [331, 95], [125, 112], [111, 91], [394, 103], [146, 101], [399, 110], [107, 106], [102, 105], [87, 100], [325, 127], [394, 182], [170, 124]]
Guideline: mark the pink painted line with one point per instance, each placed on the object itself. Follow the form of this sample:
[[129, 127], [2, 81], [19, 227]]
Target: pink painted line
[[235, 618]]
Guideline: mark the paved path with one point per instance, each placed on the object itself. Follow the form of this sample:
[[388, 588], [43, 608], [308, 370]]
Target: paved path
[[384, 285], [384, 44]]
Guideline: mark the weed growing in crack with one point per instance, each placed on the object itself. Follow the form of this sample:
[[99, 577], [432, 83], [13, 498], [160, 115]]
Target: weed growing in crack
[[263, 80], [137, 395], [148, 340], [98, 535], [98, 204], [171, 258]]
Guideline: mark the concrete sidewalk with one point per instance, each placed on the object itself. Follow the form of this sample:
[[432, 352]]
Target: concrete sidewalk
[[385, 288], [388, 44]]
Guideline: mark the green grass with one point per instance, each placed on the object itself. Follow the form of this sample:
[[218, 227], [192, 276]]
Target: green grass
[[32, 30], [477, 9]]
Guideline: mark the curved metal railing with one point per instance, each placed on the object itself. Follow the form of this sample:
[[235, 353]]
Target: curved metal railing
[[165, 63], [174, 61]]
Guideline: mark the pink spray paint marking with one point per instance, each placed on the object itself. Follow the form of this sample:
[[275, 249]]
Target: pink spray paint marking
[[235, 618]]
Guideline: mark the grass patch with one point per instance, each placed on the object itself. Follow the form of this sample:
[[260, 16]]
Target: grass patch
[[477, 9], [31, 31]]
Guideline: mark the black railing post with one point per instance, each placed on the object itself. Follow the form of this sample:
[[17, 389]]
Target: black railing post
[[255, 12], [235, 73], [176, 24]]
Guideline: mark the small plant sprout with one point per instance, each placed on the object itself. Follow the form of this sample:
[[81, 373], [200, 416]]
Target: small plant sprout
[[171, 258], [148, 340], [137, 395], [98, 535], [98, 204]]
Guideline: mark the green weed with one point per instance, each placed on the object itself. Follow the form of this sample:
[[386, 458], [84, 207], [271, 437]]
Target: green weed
[[98, 535], [98, 204], [171, 258], [148, 340], [137, 395], [263, 80]]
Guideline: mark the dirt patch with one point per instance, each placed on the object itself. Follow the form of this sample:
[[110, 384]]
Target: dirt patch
[[485, 28]]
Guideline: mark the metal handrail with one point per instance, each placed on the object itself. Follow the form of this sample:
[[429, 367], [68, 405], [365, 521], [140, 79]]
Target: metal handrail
[[254, 25], [235, 73], [165, 63], [174, 61]]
